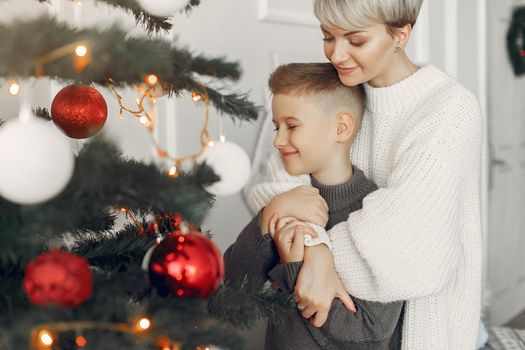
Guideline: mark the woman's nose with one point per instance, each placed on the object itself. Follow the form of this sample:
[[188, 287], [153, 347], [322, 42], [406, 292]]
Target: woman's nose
[[340, 54]]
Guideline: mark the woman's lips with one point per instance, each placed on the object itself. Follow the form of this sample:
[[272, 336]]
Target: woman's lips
[[344, 70]]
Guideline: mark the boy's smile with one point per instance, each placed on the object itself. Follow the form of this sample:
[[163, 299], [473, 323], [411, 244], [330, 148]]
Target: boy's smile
[[306, 135]]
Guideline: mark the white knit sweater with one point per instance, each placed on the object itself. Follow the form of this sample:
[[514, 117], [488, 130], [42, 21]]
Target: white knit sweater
[[418, 237]]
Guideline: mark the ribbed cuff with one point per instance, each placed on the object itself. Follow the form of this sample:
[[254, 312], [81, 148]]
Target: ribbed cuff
[[322, 237], [285, 275]]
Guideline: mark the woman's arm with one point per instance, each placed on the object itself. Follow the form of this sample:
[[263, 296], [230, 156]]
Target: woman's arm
[[404, 243]]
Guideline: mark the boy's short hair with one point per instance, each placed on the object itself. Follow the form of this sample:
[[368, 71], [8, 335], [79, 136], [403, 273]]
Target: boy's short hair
[[319, 79], [361, 13]]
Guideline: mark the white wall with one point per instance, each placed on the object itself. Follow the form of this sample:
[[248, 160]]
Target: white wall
[[451, 34]]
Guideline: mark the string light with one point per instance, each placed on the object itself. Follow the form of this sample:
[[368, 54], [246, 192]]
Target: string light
[[81, 51], [173, 171], [44, 336], [80, 341], [144, 120], [196, 97], [14, 87], [45, 339], [148, 120], [144, 324], [211, 143], [151, 80]]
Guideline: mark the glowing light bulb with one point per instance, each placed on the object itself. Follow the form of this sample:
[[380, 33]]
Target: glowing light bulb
[[80, 341], [173, 171], [144, 120], [144, 324], [211, 143], [81, 51], [151, 79], [195, 97], [46, 339], [14, 88]]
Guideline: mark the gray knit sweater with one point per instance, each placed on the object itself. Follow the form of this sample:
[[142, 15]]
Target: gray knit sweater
[[375, 326]]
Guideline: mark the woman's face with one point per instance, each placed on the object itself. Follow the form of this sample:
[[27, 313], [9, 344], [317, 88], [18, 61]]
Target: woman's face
[[362, 54]]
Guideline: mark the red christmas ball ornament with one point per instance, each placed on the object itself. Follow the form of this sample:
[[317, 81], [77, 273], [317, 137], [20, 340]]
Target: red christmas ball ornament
[[58, 277], [186, 265], [79, 111]]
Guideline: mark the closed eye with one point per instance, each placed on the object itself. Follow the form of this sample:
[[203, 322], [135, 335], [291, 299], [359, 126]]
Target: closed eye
[[289, 127]]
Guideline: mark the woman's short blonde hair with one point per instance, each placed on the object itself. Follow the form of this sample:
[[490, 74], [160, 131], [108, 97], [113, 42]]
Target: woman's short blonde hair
[[361, 13]]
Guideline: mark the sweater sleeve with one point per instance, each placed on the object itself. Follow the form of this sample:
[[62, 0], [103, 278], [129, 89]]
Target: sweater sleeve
[[281, 182], [373, 323], [405, 241], [251, 256]]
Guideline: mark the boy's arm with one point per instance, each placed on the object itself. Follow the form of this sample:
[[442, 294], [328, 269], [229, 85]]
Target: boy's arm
[[264, 198], [251, 256], [406, 242], [373, 323]]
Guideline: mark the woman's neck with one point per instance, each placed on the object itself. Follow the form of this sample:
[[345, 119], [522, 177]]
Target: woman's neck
[[402, 68]]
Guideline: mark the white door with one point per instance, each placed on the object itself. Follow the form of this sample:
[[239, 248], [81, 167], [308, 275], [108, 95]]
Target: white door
[[507, 190]]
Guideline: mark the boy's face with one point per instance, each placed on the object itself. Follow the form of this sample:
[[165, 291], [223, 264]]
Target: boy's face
[[305, 134]]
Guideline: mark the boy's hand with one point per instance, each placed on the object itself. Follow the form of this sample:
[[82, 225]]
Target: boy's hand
[[303, 202], [288, 234]]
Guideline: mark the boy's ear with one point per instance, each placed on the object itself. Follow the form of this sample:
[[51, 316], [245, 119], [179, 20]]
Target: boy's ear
[[345, 126]]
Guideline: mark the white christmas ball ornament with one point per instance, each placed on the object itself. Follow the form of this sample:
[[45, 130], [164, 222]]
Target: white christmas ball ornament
[[35, 158], [231, 163], [163, 8]]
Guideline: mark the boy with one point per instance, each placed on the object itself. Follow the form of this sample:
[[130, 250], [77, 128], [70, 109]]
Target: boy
[[316, 119]]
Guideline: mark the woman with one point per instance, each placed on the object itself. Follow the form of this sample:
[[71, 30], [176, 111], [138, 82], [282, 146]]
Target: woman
[[417, 238]]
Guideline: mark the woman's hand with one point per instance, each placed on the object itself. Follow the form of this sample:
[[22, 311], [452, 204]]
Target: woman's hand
[[288, 235], [303, 202], [318, 284]]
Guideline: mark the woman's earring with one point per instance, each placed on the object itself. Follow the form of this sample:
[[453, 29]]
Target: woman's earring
[[398, 48]]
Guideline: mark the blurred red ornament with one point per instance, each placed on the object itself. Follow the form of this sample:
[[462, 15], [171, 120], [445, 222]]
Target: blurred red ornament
[[186, 265], [58, 277], [79, 111]]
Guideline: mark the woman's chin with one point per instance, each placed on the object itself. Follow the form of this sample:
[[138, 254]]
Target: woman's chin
[[350, 79]]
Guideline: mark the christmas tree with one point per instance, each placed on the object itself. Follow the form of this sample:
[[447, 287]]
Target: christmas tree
[[70, 277]]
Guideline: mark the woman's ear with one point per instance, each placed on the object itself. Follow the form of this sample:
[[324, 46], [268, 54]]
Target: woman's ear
[[345, 127], [402, 34]]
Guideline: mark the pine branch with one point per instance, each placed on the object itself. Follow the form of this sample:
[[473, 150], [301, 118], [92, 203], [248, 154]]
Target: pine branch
[[216, 67], [116, 55], [231, 304], [112, 251], [103, 180], [150, 23], [42, 113]]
